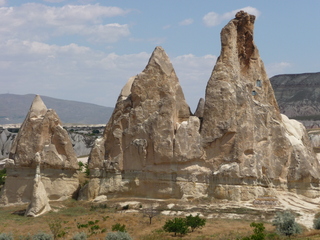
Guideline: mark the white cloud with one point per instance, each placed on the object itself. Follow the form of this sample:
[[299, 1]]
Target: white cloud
[[212, 19], [166, 27], [277, 68], [80, 73], [2, 3], [38, 22], [186, 22], [54, 1]]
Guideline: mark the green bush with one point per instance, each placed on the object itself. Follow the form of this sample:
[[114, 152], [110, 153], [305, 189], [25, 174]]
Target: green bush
[[4, 236], [42, 236], [195, 222], [286, 224], [118, 236], [258, 232], [79, 236], [316, 223], [177, 225], [118, 228], [3, 174]]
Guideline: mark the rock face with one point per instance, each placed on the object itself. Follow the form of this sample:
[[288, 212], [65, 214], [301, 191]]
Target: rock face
[[298, 97], [6, 140], [39, 202], [238, 146], [42, 133]]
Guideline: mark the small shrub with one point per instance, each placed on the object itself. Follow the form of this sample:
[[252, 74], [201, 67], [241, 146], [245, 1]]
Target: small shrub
[[316, 223], [126, 207], [177, 225], [26, 237], [118, 236], [5, 236], [81, 166], [87, 170], [195, 222], [42, 236], [258, 232], [286, 224], [80, 236], [57, 229], [118, 228], [3, 174]]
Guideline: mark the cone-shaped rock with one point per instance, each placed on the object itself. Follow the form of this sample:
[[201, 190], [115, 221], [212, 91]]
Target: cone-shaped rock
[[238, 146], [243, 133], [41, 132], [150, 131]]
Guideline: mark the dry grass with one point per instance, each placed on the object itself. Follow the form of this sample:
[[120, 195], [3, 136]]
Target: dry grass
[[70, 213]]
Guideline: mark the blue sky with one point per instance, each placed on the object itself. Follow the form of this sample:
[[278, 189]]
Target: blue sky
[[85, 50]]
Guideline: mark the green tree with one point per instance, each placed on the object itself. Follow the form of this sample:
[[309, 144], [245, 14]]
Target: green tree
[[195, 222], [258, 232], [176, 225], [286, 224]]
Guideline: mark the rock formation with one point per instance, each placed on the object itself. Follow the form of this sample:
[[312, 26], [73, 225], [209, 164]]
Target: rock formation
[[298, 97], [6, 140], [42, 133], [238, 146], [39, 202]]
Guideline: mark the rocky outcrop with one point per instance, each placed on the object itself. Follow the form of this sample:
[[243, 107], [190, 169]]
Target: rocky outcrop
[[42, 133], [6, 140], [298, 97], [238, 146], [82, 139], [39, 202]]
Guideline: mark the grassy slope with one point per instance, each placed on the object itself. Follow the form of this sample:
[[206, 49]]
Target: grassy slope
[[72, 212]]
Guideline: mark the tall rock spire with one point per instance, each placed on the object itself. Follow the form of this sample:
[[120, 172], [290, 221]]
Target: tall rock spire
[[243, 133], [236, 147]]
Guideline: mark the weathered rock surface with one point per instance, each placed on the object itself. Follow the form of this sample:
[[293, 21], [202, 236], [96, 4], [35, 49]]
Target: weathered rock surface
[[6, 140], [240, 149], [39, 202], [298, 97], [82, 139], [42, 133]]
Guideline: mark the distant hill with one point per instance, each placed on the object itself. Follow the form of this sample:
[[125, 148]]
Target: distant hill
[[14, 108], [298, 96]]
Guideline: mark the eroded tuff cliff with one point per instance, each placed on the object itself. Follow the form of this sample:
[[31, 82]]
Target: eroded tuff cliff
[[298, 97], [238, 146], [40, 134]]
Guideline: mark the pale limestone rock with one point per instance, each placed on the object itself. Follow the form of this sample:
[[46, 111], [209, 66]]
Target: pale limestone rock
[[200, 108], [150, 138], [42, 133], [237, 147], [246, 141], [39, 202]]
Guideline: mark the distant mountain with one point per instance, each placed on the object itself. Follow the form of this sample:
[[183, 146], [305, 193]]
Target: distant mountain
[[14, 108], [298, 96]]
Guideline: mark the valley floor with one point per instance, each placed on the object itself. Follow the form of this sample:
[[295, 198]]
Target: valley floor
[[225, 219]]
